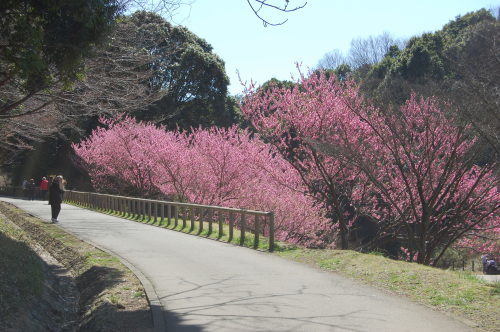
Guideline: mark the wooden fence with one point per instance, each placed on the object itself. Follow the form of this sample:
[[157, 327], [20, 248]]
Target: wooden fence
[[174, 214], [464, 265], [256, 222]]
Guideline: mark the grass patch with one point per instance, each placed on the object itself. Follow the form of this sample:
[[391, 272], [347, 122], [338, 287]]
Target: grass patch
[[139, 294], [459, 293], [496, 289], [100, 258]]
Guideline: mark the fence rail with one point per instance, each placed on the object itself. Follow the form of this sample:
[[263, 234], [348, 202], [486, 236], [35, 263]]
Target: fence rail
[[172, 213], [17, 191]]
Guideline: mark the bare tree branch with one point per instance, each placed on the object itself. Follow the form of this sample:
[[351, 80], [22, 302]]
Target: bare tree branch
[[265, 4], [332, 60]]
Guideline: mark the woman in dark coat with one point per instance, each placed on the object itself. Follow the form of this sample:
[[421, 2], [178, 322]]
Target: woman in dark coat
[[56, 191]]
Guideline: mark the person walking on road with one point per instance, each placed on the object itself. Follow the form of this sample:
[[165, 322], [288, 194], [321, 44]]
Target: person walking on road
[[25, 188], [56, 192], [31, 189], [44, 187]]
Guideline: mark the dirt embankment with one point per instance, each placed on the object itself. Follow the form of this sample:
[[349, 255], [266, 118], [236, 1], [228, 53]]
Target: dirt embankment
[[84, 289]]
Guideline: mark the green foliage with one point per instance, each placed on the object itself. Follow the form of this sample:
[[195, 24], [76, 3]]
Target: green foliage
[[379, 70], [459, 64], [161, 73], [453, 32], [343, 71], [421, 59], [38, 36], [274, 82], [43, 45], [424, 62], [192, 76]]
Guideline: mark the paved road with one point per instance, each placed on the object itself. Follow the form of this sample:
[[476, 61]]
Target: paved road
[[205, 285], [489, 278]]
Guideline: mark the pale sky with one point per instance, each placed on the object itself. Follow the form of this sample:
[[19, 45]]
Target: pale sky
[[260, 53]]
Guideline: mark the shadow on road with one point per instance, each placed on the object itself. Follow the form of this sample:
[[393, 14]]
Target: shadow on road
[[224, 309]]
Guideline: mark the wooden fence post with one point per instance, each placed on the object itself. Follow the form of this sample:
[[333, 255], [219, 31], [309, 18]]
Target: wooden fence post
[[242, 228], [256, 232], [271, 231], [221, 220], [231, 225], [184, 217], [176, 216], [210, 217], [191, 217], [150, 215], [169, 214], [155, 204], [201, 221]]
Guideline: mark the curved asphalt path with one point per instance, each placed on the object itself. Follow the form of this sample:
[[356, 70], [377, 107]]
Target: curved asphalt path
[[205, 285]]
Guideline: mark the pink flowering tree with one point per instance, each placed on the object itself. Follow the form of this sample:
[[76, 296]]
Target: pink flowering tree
[[411, 170], [482, 239], [293, 119], [420, 164], [226, 167], [115, 158]]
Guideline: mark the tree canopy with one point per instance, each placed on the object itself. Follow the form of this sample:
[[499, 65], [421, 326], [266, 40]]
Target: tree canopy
[[191, 76], [42, 44], [459, 63], [44, 41]]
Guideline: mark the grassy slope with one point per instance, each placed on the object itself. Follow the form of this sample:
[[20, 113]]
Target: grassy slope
[[111, 297], [458, 293], [21, 272]]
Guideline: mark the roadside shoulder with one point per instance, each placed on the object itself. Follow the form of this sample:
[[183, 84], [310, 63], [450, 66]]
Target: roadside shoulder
[[111, 298]]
